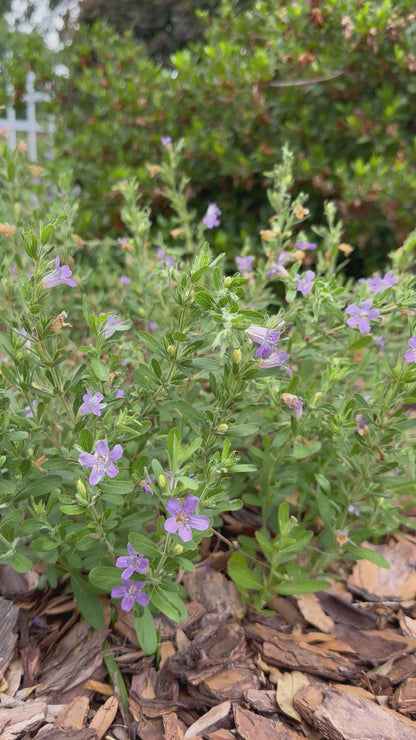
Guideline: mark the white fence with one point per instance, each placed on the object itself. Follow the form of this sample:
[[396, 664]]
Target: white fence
[[28, 125]]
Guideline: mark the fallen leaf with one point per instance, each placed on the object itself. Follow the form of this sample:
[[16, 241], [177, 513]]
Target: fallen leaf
[[289, 684], [312, 611]]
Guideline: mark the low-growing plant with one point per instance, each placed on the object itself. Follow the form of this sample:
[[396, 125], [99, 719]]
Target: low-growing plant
[[151, 387]]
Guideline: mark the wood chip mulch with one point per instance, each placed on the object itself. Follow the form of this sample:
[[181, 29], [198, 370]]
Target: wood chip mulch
[[339, 665]]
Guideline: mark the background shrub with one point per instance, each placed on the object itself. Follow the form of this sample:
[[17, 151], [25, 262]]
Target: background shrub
[[252, 84]]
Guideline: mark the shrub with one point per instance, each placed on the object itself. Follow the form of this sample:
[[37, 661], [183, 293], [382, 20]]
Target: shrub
[[146, 395], [333, 81]]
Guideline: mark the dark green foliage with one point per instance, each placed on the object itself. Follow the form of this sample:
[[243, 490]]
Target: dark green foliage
[[163, 26], [254, 84]]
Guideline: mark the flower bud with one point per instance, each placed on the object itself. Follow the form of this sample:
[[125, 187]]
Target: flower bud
[[161, 480], [81, 488], [227, 281], [222, 428], [171, 350], [237, 356], [178, 550]]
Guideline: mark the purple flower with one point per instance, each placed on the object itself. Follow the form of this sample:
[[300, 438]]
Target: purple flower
[[380, 341], [360, 315], [152, 326], [279, 267], [146, 487], [130, 592], [125, 280], [92, 404], [120, 393], [410, 355], [305, 283], [245, 264], [183, 519], [212, 216], [362, 427], [294, 402], [166, 141], [276, 359], [166, 261], [354, 510], [134, 562], [28, 409], [111, 325], [102, 462], [265, 338], [377, 284], [59, 276], [306, 246]]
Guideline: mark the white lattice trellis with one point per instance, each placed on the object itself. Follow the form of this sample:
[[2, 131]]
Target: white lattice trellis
[[29, 125]]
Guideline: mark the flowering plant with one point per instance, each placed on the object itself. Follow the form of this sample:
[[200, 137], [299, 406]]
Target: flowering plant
[[211, 387]]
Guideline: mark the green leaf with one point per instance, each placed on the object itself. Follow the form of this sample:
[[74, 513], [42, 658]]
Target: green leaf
[[40, 487], [116, 676], [266, 545], [86, 440], [169, 603], [302, 587], [99, 369], [149, 341], [242, 430], [146, 631], [364, 553], [104, 577], [20, 562], [119, 487], [88, 602], [283, 516], [241, 574], [190, 413], [300, 450], [144, 545]]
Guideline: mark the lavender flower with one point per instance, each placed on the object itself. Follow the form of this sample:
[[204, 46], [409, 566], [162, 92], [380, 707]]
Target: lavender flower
[[92, 404], [166, 141], [59, 276], [265, 338], [361, 315], [354, 510], [102, 462], [111, 325], [120, 393], [130, 593], [361, 425], [245, 264], [378, 284], [28, 409], [166, 261], [125, 280], [183, 519], [294, 402], [134, 562], [276, 359], [152, 326], [305, 283], [410, 355], [146, 487], [306, 246], [279, 267], [212, 216]]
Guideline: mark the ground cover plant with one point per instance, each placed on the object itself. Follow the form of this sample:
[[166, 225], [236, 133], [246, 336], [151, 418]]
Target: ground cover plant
[[149, 387]]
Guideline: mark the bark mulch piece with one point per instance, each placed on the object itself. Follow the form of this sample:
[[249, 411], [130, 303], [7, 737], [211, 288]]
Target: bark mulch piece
[[340, 665]]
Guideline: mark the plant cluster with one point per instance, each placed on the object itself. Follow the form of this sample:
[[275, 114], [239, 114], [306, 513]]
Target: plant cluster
[[148, 387]]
